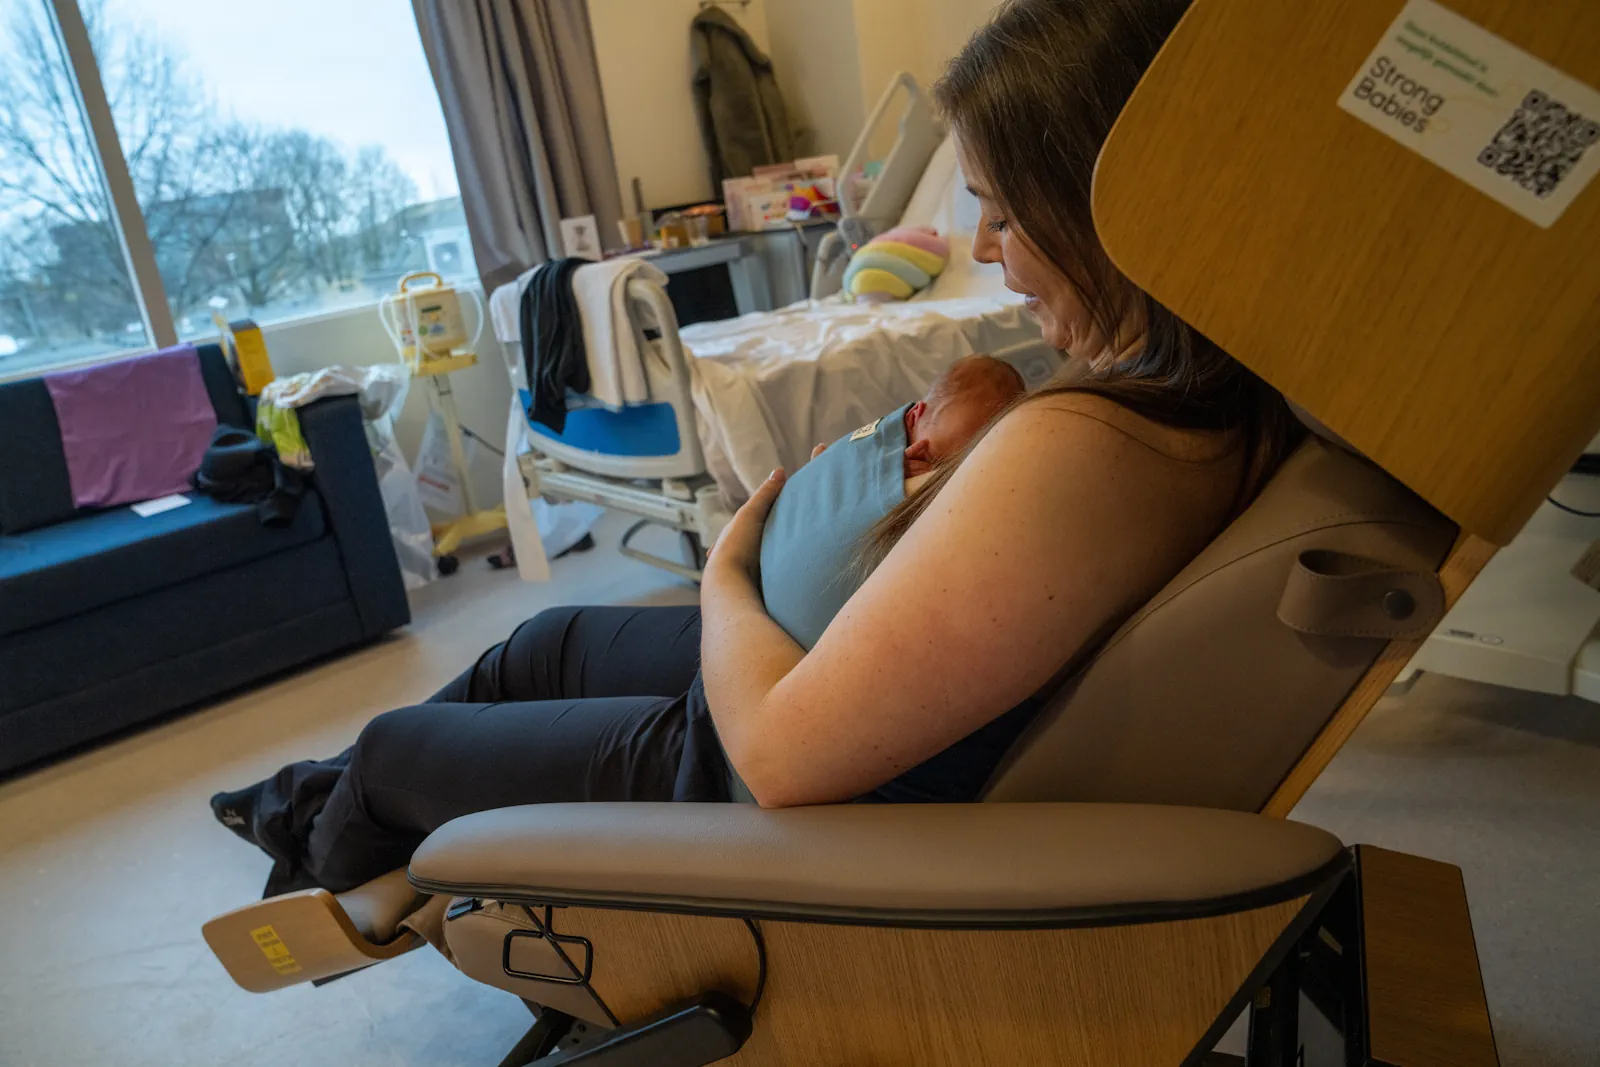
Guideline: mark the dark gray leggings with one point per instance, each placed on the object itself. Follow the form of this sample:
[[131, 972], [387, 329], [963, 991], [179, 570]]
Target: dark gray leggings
[[580, 703]]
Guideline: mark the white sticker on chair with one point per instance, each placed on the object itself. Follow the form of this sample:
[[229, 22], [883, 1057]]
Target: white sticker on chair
[[1505, 122]]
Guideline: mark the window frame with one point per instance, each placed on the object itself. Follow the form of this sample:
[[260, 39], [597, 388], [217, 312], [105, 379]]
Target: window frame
[[127, 218]]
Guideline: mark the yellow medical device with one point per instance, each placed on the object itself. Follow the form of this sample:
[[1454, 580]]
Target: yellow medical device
[[424, 320], [425, 324]]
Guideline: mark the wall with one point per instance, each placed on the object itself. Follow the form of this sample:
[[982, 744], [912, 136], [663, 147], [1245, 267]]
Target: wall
[[891, 36], [919, 36], [948, 25], [834, 58], [642, 47], [354, 337], [814, 57]]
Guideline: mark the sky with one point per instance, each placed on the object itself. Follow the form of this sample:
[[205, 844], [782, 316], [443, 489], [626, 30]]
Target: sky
[[351, 70]]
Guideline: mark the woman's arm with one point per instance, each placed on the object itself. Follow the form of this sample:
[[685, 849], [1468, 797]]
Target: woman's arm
[[744, 654], [1056, 522]]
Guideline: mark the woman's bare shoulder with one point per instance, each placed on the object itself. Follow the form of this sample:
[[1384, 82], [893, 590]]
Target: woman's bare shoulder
[[1051, 405], [1076, 447], [1089, 410]]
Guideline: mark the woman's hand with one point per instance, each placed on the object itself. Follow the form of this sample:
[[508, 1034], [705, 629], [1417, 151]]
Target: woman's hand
[[743, 653], [739, 546]]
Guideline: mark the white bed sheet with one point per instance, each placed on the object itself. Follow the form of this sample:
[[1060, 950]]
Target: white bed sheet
[[770, 386]]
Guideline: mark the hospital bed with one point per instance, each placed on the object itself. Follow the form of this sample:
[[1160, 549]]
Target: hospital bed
[[731, 400]]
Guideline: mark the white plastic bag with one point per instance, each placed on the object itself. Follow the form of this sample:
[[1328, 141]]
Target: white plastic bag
[[437, 481], [408, 522], [381, 391]]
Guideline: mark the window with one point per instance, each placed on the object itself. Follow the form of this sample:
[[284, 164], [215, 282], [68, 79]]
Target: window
[[279, 171], [65, 292]]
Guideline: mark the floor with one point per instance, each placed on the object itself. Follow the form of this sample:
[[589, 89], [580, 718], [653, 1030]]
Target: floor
[[109, 860], [1506, 785]]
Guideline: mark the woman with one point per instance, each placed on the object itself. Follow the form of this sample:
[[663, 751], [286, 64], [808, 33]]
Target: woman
[[1076, 506]]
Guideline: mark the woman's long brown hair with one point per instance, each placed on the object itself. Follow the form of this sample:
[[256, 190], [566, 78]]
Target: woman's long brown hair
[[1033, 97]]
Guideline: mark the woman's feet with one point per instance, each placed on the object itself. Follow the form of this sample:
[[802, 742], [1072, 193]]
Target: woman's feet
[[237, 811]]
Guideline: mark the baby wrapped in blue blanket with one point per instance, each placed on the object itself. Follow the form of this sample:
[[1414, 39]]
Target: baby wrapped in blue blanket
[[817, 528]]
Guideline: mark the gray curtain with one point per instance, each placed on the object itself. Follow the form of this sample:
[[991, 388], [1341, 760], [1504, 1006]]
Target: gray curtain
[[520, 89]]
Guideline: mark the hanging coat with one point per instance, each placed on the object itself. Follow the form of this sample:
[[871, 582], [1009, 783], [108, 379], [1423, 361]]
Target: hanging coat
[[742, 116]]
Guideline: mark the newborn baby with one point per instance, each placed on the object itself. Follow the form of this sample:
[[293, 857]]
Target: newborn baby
[[960, 402], [815, 532]]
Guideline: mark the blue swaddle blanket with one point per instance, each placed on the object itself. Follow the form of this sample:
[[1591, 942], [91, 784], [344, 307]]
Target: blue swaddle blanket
[[814, 533]]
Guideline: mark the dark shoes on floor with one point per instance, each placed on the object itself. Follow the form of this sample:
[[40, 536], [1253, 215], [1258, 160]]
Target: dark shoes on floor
[[237, 811]]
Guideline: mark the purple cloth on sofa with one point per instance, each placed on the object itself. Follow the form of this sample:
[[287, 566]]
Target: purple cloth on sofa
[[134, 429]]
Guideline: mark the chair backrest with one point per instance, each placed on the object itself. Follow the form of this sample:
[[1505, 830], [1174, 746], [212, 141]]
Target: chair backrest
[[1207, 697], [1446, 326], [1450, 337]]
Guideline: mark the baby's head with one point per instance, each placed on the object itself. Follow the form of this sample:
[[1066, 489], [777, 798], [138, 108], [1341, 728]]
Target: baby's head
[[960, 403]]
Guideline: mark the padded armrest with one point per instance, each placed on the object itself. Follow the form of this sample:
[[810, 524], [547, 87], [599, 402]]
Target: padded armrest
[[937, 864], [344, 473]]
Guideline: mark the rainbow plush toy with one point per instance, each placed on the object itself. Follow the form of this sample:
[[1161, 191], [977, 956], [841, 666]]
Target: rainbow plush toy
[[896, 264]]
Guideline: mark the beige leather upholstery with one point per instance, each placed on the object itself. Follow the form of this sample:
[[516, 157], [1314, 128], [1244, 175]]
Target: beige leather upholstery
[[378, 907], [1334, 594], [1004, 864], [1206, 697]]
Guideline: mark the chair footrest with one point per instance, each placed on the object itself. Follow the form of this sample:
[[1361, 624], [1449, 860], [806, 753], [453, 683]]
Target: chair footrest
[[294, 938], [1424, 987], [1387, 975]]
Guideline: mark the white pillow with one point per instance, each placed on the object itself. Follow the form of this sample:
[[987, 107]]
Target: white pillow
[[941, 199]]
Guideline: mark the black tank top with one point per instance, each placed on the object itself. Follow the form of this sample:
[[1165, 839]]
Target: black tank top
[[956, 775]]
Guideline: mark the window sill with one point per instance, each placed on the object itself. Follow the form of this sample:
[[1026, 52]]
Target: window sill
[[267, 329]]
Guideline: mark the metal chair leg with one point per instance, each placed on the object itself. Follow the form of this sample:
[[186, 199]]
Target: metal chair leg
[[540, 1040]]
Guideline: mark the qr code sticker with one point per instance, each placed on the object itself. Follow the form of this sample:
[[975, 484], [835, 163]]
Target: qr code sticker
[[1540, 144]]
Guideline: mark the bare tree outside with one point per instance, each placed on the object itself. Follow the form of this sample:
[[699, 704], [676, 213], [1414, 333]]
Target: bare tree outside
[[245, 218]]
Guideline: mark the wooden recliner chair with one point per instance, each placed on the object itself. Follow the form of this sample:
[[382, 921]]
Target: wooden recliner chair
[[1130, 885]]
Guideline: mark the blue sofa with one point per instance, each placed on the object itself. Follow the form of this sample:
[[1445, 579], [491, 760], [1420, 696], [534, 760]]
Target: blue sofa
[[108, 619]]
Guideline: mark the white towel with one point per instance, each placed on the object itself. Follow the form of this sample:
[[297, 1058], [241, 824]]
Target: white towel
[[505, 308], [614, 342]]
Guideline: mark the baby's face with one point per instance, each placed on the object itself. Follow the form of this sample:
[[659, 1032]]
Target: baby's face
[[944, 429], [956, 422], [959, 405]]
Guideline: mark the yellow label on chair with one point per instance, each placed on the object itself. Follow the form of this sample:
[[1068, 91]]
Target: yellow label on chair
[[277, 953]]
